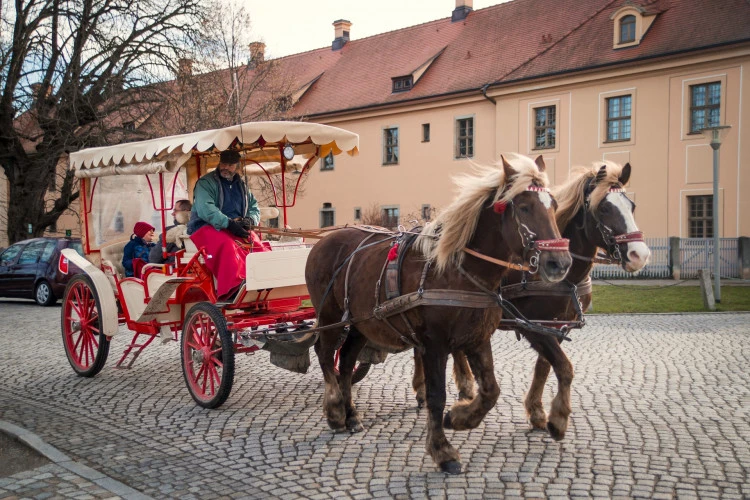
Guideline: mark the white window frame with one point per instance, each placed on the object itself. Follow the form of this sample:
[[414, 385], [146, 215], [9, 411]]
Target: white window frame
[[473, 136], [604, 112], [384, 145]]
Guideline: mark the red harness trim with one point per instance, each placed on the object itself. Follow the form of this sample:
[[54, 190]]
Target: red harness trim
[[629, 237], [558, 245]]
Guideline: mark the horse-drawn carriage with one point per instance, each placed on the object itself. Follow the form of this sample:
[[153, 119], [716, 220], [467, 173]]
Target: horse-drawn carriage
[[437, 290], [136, 181]]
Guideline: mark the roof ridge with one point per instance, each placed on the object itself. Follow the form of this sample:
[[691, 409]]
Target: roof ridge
[[556, 42], [413, 26]]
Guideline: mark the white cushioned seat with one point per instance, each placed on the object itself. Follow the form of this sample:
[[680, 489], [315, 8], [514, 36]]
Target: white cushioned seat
[[112, 261]]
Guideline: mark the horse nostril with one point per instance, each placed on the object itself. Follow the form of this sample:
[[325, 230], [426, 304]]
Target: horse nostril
[[633, 256], [554, 267]]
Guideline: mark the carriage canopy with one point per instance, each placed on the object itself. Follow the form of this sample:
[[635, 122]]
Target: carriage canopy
[[258, 142]]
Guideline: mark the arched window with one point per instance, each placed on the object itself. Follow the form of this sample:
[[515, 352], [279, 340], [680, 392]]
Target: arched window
[[627, 29]]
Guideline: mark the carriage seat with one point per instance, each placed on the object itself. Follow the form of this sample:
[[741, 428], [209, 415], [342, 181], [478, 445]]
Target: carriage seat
[[111, 256]]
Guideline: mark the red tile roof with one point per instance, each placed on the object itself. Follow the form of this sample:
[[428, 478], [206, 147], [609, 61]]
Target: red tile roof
[[517, 40]]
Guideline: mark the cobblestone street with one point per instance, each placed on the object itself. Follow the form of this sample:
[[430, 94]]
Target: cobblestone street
[[661, 408]]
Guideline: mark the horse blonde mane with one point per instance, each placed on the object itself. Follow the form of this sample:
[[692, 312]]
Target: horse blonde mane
[[570, 196], [444, 239]]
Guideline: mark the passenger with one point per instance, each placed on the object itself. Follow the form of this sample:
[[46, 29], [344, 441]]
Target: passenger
[[181, 215], [136, 252], [222, 200]]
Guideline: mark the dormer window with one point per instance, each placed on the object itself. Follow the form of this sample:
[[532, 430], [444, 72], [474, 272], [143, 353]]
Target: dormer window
[[630, 24], [402, 83], [627, 29]]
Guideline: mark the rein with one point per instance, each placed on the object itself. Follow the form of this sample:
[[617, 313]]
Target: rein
[[557, 245]]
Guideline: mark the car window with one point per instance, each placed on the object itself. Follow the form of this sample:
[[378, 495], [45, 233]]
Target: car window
[[9, 254], [32, 252], [77, 246], [48, 251]]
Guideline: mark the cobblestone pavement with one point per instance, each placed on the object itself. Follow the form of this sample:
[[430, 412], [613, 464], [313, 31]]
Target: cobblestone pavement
[[661, 408]]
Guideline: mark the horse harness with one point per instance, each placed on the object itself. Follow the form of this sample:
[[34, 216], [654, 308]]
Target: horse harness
[[397, 304], [612, 240]]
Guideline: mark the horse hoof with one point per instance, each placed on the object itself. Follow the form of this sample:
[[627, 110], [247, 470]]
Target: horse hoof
[[336, 427], [447, 424], [355, 427], [537, 424], [556, 434], [451, 467], [420, 403]]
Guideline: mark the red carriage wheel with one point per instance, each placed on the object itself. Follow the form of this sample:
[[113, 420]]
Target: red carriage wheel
[[359, 372], [86, 347], [207, 355]]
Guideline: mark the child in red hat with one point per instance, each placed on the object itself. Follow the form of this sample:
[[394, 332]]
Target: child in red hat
[[138, 249]]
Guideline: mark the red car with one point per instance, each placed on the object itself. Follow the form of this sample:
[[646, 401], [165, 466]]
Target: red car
[[30, 269]]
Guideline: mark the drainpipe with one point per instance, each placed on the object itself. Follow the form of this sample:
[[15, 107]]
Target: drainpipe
[[484, 93]]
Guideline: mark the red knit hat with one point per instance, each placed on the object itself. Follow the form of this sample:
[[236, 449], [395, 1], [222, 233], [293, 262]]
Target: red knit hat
[[141, 228]]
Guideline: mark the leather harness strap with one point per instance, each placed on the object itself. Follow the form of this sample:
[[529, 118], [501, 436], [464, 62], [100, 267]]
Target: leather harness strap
[[504, 263], [541, 288], [437, 297]]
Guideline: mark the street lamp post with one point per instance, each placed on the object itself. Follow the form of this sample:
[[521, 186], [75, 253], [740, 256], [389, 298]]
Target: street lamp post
[[715, 134]]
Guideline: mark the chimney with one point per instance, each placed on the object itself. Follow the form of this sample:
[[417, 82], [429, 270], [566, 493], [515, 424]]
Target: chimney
[[341, 33], [257, 52], [463, 7], [184, 68]]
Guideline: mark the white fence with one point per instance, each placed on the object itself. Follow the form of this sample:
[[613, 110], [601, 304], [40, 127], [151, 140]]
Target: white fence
[[657, 267], [698, 253], [695, 254]]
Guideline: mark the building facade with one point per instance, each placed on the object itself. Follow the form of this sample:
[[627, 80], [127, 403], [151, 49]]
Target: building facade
[[623, 81], [576, 81]]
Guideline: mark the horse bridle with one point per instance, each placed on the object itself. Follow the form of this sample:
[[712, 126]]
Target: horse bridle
[[612, 240], [530, 244]]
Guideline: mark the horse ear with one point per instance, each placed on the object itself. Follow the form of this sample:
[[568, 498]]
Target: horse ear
[[540, 163], [601, 174], [625, 175], [508, 169]]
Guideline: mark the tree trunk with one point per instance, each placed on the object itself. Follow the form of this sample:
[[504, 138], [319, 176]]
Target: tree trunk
[[29, 183]]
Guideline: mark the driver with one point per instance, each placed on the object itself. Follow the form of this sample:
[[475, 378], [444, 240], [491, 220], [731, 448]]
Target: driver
[[221, 201]]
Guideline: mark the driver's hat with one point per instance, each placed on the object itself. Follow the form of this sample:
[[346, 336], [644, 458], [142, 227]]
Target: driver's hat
[[229, 157]]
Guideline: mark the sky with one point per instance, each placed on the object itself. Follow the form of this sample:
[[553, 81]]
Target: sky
[[293, 26]]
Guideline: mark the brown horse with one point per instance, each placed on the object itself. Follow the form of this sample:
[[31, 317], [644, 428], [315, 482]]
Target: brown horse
[[502, 213], [593, 213]]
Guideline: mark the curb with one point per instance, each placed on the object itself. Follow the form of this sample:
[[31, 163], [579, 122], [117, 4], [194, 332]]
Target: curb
[[53, 454]]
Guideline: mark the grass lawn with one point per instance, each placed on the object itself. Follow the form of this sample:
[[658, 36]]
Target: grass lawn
[[608, 299]]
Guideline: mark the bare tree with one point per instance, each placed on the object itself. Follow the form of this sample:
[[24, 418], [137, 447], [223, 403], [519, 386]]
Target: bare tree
[[373, 216], [224, 79], [71, 75]]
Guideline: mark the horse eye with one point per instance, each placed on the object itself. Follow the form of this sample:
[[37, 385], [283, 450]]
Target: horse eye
[[524, 209]]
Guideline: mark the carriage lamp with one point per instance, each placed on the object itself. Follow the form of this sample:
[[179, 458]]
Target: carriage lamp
[[288, 151], [715, 135]]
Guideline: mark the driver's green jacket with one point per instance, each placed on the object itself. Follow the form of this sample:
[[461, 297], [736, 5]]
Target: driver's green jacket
[[208, 201]]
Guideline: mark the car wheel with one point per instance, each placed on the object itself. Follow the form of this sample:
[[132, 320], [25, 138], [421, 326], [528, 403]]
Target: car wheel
[[43, 294]]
